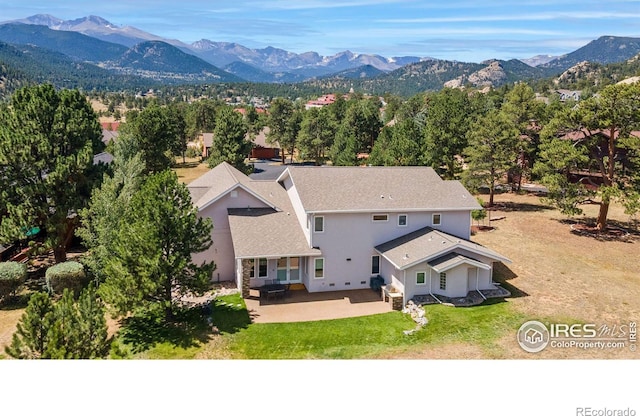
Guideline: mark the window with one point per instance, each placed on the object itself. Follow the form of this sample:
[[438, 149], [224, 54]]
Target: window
[[319, 268], [260, 264], [375, 264], [262, 267], [421, 278], [436, 219], [251, 264], [443, 281], [402, 220], [380, 217], [318, 224]]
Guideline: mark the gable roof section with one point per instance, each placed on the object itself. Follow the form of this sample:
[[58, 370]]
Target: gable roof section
[[451, 260], [376, 189], [219, 181], [427, 244], [265, 232]]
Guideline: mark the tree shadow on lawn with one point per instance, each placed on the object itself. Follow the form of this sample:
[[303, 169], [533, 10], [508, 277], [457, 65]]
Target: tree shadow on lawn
[[229, 317], [190, 327], [507, 206], [616, 230], [146, 329]]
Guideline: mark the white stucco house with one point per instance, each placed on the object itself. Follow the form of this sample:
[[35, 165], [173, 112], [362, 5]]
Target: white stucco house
[[333, 228]]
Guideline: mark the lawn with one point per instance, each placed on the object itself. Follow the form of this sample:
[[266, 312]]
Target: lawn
[[378, 336], [192, 169]]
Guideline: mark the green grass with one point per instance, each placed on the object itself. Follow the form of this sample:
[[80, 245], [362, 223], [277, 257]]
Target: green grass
[[378, 335], [375, 336]]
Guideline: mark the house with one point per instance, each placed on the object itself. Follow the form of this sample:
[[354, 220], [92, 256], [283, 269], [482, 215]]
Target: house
[[321, 101], [334, 228], [261, 148], [206, 140]]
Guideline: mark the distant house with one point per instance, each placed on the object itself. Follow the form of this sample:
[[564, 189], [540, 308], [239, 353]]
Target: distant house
[[109, 135], [261, 149], [321, 101], [206, 139], [334, 228]]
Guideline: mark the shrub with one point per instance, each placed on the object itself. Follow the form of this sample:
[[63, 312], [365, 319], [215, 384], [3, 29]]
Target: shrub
[[12, 275], [192, 152], [68, 275]]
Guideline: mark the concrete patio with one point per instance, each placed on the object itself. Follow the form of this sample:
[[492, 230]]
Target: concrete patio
[[300, 305]]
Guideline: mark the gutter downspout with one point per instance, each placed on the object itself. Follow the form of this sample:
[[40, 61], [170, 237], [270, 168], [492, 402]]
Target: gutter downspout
[[478, 284], [404, 288]]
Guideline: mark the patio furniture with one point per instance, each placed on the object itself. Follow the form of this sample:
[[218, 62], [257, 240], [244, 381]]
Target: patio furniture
[[273, 290]]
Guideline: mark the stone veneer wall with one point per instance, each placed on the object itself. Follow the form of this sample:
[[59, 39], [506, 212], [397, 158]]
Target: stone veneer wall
[[246, 278]]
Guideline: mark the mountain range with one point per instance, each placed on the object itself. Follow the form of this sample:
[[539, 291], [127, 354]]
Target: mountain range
[[99, 45]]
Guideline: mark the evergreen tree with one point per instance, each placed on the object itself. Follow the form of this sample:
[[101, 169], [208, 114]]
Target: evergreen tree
[[64, 338], [398, 145], [317, 131], [109, 203], [152, 129], [31, 338], [47, 143], [446, 127], [62, 330], [600, 127], [492, 151], [229, 141], [151, 259], [92, 325]]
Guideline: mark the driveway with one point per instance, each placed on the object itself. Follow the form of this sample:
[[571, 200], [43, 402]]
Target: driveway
[[266, 169]]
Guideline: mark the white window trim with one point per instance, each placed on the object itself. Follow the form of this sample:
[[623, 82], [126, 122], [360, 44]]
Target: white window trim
[[314, 267], [257, 261], [406, 220], [314, 224], [375, 215], [440, 276], [378, 256], [433, 219], [425, 278]]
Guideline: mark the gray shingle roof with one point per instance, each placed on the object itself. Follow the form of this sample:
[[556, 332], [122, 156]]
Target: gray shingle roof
[[377, 188], [266, 232], [215, 183], [448, 261], [427, 244]]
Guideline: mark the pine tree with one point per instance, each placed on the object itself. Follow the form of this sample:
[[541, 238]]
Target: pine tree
[[64, 338], [229, 141], [151, 258], [47, 143], [92, 325], [31, 338]]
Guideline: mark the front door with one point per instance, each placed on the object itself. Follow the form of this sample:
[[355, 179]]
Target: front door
[[289, 269]]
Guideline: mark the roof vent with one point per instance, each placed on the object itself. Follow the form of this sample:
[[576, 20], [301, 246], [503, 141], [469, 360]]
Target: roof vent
[[406, 256], [382, 196], [444, 242]]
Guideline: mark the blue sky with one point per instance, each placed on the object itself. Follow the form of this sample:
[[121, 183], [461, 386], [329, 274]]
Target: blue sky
[[464, 30]]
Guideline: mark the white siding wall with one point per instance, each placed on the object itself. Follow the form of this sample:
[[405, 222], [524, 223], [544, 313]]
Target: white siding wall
[[354, 235], [297, 207], [221, 251], [458, 281]]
